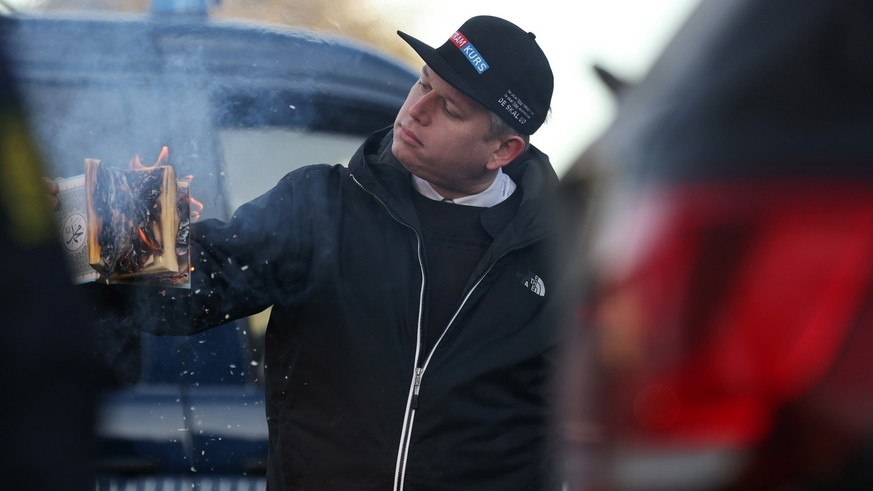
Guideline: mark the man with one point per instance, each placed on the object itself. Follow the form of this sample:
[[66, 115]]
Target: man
[[410, 338]]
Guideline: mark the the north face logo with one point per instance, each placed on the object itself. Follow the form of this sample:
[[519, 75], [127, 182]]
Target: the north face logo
[[533, 283]]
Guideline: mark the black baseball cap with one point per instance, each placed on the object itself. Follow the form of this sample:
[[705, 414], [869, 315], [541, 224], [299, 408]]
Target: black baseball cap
[[497, 64]]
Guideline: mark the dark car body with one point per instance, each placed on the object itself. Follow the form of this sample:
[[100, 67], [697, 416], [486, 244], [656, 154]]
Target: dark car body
[[238, 105], [725, 241]]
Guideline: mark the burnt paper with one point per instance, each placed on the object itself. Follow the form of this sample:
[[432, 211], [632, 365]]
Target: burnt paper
[[136, 225]]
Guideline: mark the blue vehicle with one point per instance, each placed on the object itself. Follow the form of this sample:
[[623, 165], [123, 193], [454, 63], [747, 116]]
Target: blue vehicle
[[238, 106]]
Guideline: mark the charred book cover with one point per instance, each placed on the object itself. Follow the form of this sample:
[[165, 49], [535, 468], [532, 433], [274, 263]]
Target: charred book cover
[[136, 225]]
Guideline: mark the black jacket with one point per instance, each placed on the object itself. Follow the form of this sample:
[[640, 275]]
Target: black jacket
[[353, 401]]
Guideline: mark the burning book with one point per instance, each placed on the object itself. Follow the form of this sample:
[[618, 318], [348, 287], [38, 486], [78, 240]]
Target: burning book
[[136, 225]]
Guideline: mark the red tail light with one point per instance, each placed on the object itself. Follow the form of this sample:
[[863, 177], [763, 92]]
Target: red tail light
[[718, 305]]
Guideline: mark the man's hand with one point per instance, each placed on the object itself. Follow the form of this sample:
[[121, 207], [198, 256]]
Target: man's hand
[[51, 188]]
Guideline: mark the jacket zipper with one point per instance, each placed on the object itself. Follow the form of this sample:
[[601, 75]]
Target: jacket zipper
[[415, 386], [412, 404]]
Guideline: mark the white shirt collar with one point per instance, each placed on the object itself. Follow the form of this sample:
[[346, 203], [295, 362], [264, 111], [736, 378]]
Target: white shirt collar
[[500, 189]]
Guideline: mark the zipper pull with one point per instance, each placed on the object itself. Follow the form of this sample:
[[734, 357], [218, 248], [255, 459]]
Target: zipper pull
[[416, 386]]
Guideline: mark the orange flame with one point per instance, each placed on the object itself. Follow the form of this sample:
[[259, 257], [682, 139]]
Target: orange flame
[[196, 209], [164, 159], [142, 235]]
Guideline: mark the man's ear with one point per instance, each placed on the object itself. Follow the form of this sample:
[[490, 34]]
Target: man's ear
[[508, 150]]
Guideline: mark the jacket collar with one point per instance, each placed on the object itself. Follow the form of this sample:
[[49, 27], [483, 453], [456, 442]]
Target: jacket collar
[[497, 192], [378, 170]]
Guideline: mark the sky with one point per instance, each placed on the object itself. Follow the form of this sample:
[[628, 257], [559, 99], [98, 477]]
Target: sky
[[624, 36]]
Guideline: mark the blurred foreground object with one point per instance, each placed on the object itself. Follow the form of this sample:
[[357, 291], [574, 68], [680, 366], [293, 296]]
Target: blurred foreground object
[[47, 374], [724, 325]]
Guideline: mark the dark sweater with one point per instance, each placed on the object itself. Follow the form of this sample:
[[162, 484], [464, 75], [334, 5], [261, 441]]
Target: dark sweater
[[455, 238]]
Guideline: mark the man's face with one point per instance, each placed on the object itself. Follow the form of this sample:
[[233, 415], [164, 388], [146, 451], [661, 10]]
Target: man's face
[[439, 135]]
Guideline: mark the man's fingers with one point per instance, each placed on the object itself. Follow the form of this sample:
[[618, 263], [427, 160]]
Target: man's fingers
[[52, 188]]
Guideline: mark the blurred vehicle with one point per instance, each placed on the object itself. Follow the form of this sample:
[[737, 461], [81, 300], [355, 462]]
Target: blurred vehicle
[[238, 105], [724, 251]]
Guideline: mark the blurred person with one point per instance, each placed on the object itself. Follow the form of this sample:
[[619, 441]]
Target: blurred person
[[47, 370], [723, 322], [410, 341]]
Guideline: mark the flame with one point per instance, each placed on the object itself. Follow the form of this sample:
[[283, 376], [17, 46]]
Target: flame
[[164, 159], [135, 163], [142, 235], [196, 209]]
